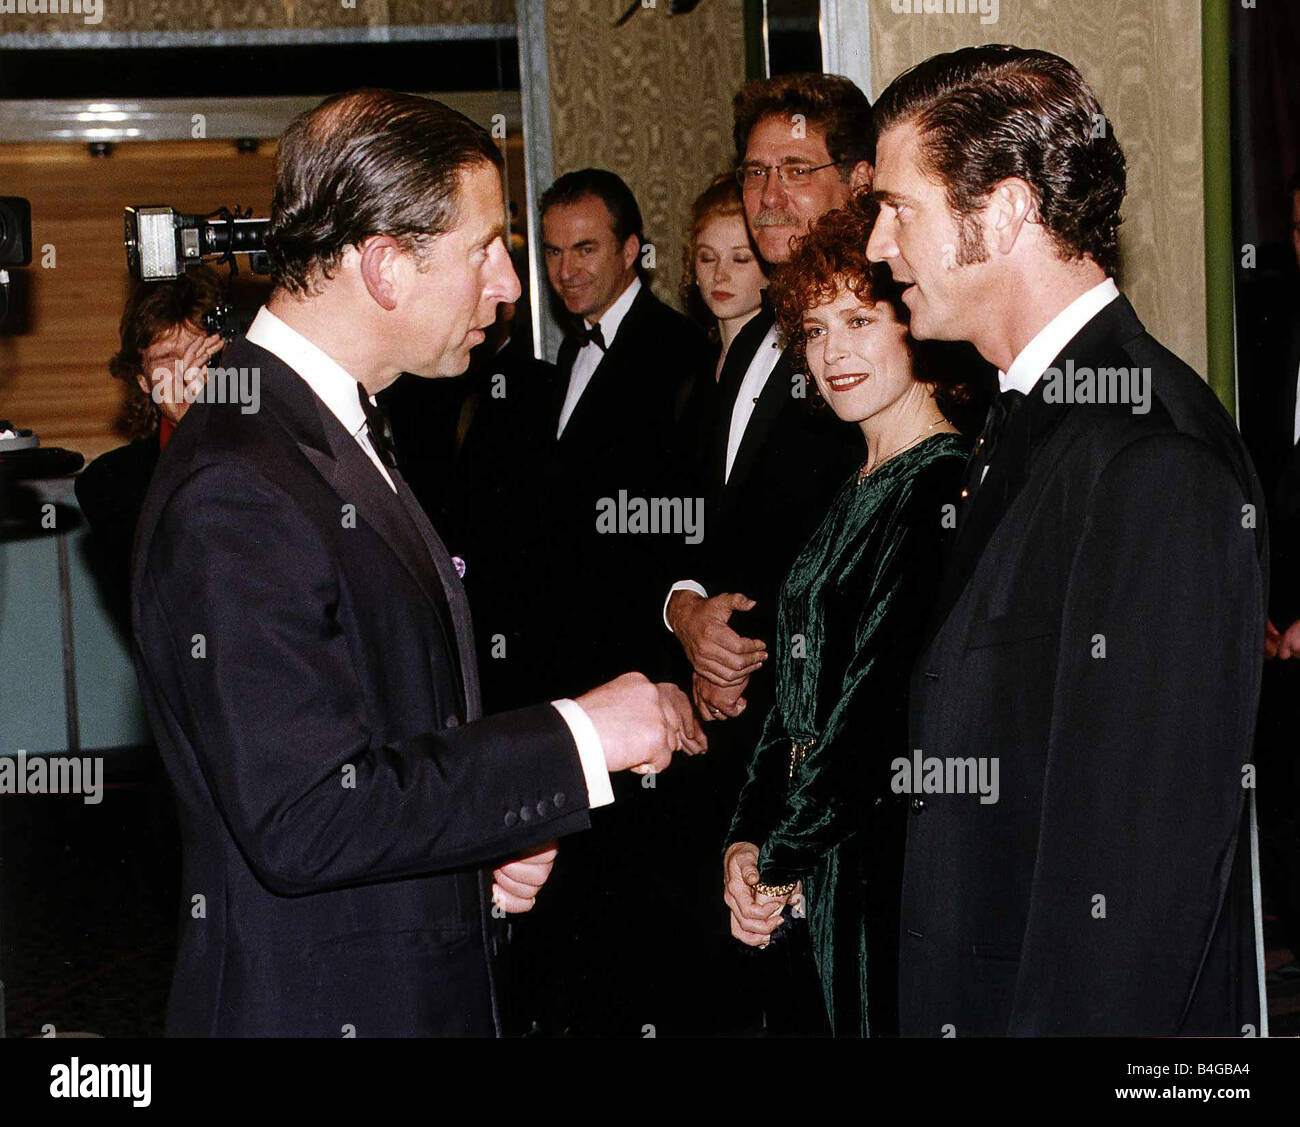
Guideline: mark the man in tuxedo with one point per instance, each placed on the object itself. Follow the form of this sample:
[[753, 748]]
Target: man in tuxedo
[[623, 374], [771, 463], [1269, 349], [1098, 638], [303, 640]]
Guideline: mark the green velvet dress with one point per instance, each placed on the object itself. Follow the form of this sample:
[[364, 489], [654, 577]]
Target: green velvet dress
[[818, 803]]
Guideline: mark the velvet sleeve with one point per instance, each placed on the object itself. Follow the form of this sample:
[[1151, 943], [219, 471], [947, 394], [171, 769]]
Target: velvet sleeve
[[847, 769], [763, 796]]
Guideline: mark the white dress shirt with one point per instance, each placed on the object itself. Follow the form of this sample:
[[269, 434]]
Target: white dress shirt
[[747, 397], [751, 388], [1035, 358], [589, 355], [332, 384], [338, 391], [1295, 430], [1028, 368]]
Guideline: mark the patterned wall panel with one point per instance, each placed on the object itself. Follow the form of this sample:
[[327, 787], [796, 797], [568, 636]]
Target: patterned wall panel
[[1144, 62], [650, 100], [226, 15]]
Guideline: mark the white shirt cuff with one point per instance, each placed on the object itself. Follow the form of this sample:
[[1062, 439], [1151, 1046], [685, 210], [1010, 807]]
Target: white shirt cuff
[[591, 753], [682, 585]]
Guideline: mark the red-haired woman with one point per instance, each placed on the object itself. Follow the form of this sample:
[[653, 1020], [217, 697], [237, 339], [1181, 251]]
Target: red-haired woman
[[722, 276], [817, 824]]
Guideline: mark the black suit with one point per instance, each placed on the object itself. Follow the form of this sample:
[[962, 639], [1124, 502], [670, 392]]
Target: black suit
[[596, 602], [1100, 634], [620, 437], [500, 523], [111, 491], [1270, 367], [471, 450], [304, 649], [1269, 352]]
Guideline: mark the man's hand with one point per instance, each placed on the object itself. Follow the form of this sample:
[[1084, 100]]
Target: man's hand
[[716, 703], [637, 722], [170, 378], [1287, 643], [753, 918], [716, 652], [515, 884], [194, 361], [690, 736]]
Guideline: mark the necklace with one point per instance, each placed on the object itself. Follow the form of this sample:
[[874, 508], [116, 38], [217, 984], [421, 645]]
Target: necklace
[[869, 468]]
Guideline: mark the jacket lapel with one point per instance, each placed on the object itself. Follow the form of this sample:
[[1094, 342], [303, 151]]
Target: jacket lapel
[[739, 356], [1028, 426], [564, 372], [1025, 432], [612, 361], [345, 467], [457, 600], [775, 397]]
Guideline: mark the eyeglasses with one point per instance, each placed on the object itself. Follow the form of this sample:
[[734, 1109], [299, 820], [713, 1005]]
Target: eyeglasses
[[754, 176]]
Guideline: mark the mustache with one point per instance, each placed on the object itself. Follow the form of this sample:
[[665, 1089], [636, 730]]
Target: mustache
[[771, 218]]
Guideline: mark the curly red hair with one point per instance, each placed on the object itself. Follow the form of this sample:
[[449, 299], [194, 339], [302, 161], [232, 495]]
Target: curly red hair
[[831, 256]]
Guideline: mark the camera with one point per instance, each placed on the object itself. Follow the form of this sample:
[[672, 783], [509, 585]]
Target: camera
[[230, 323], [15, 231], [162, 243]]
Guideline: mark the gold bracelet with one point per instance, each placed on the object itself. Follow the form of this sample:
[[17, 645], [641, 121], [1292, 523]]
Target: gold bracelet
[[775, 889]]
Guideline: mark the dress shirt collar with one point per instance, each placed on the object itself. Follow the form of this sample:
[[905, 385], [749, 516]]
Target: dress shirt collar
[[613, 316], [1027, 368], [331, 383]]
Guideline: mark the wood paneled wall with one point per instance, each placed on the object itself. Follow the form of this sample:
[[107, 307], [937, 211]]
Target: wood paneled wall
[[1144, 62], [54, 353], [54, 369]]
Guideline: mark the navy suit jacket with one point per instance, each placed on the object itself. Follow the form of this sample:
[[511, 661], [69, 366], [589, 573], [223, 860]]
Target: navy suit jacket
[[305, 652], [1100, 635]]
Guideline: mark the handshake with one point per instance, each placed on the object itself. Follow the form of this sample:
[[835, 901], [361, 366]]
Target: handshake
[[640, 725]]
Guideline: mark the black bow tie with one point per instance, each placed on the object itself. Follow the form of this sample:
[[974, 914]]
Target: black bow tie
[[998, 414], [592, 335], [381, 437], [994, 425]]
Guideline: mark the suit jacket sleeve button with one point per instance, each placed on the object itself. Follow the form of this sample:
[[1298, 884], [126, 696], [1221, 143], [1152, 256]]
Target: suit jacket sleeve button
[[918, 804], [511, 818], [525, 814], [543, 808], [453, 721], [560, 799]]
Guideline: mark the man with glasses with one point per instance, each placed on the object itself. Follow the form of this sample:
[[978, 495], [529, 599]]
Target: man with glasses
[[805, 144]]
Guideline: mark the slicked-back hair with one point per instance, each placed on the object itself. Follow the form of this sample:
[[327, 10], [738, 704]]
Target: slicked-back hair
[[610, 189], [831, 102], [368, 162], [606, 186], [985, 114]]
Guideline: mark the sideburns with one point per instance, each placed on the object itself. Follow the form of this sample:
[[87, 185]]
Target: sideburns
[[971, 249]]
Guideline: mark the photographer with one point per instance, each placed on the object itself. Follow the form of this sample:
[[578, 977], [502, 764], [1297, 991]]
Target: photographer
[[163, 346]]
